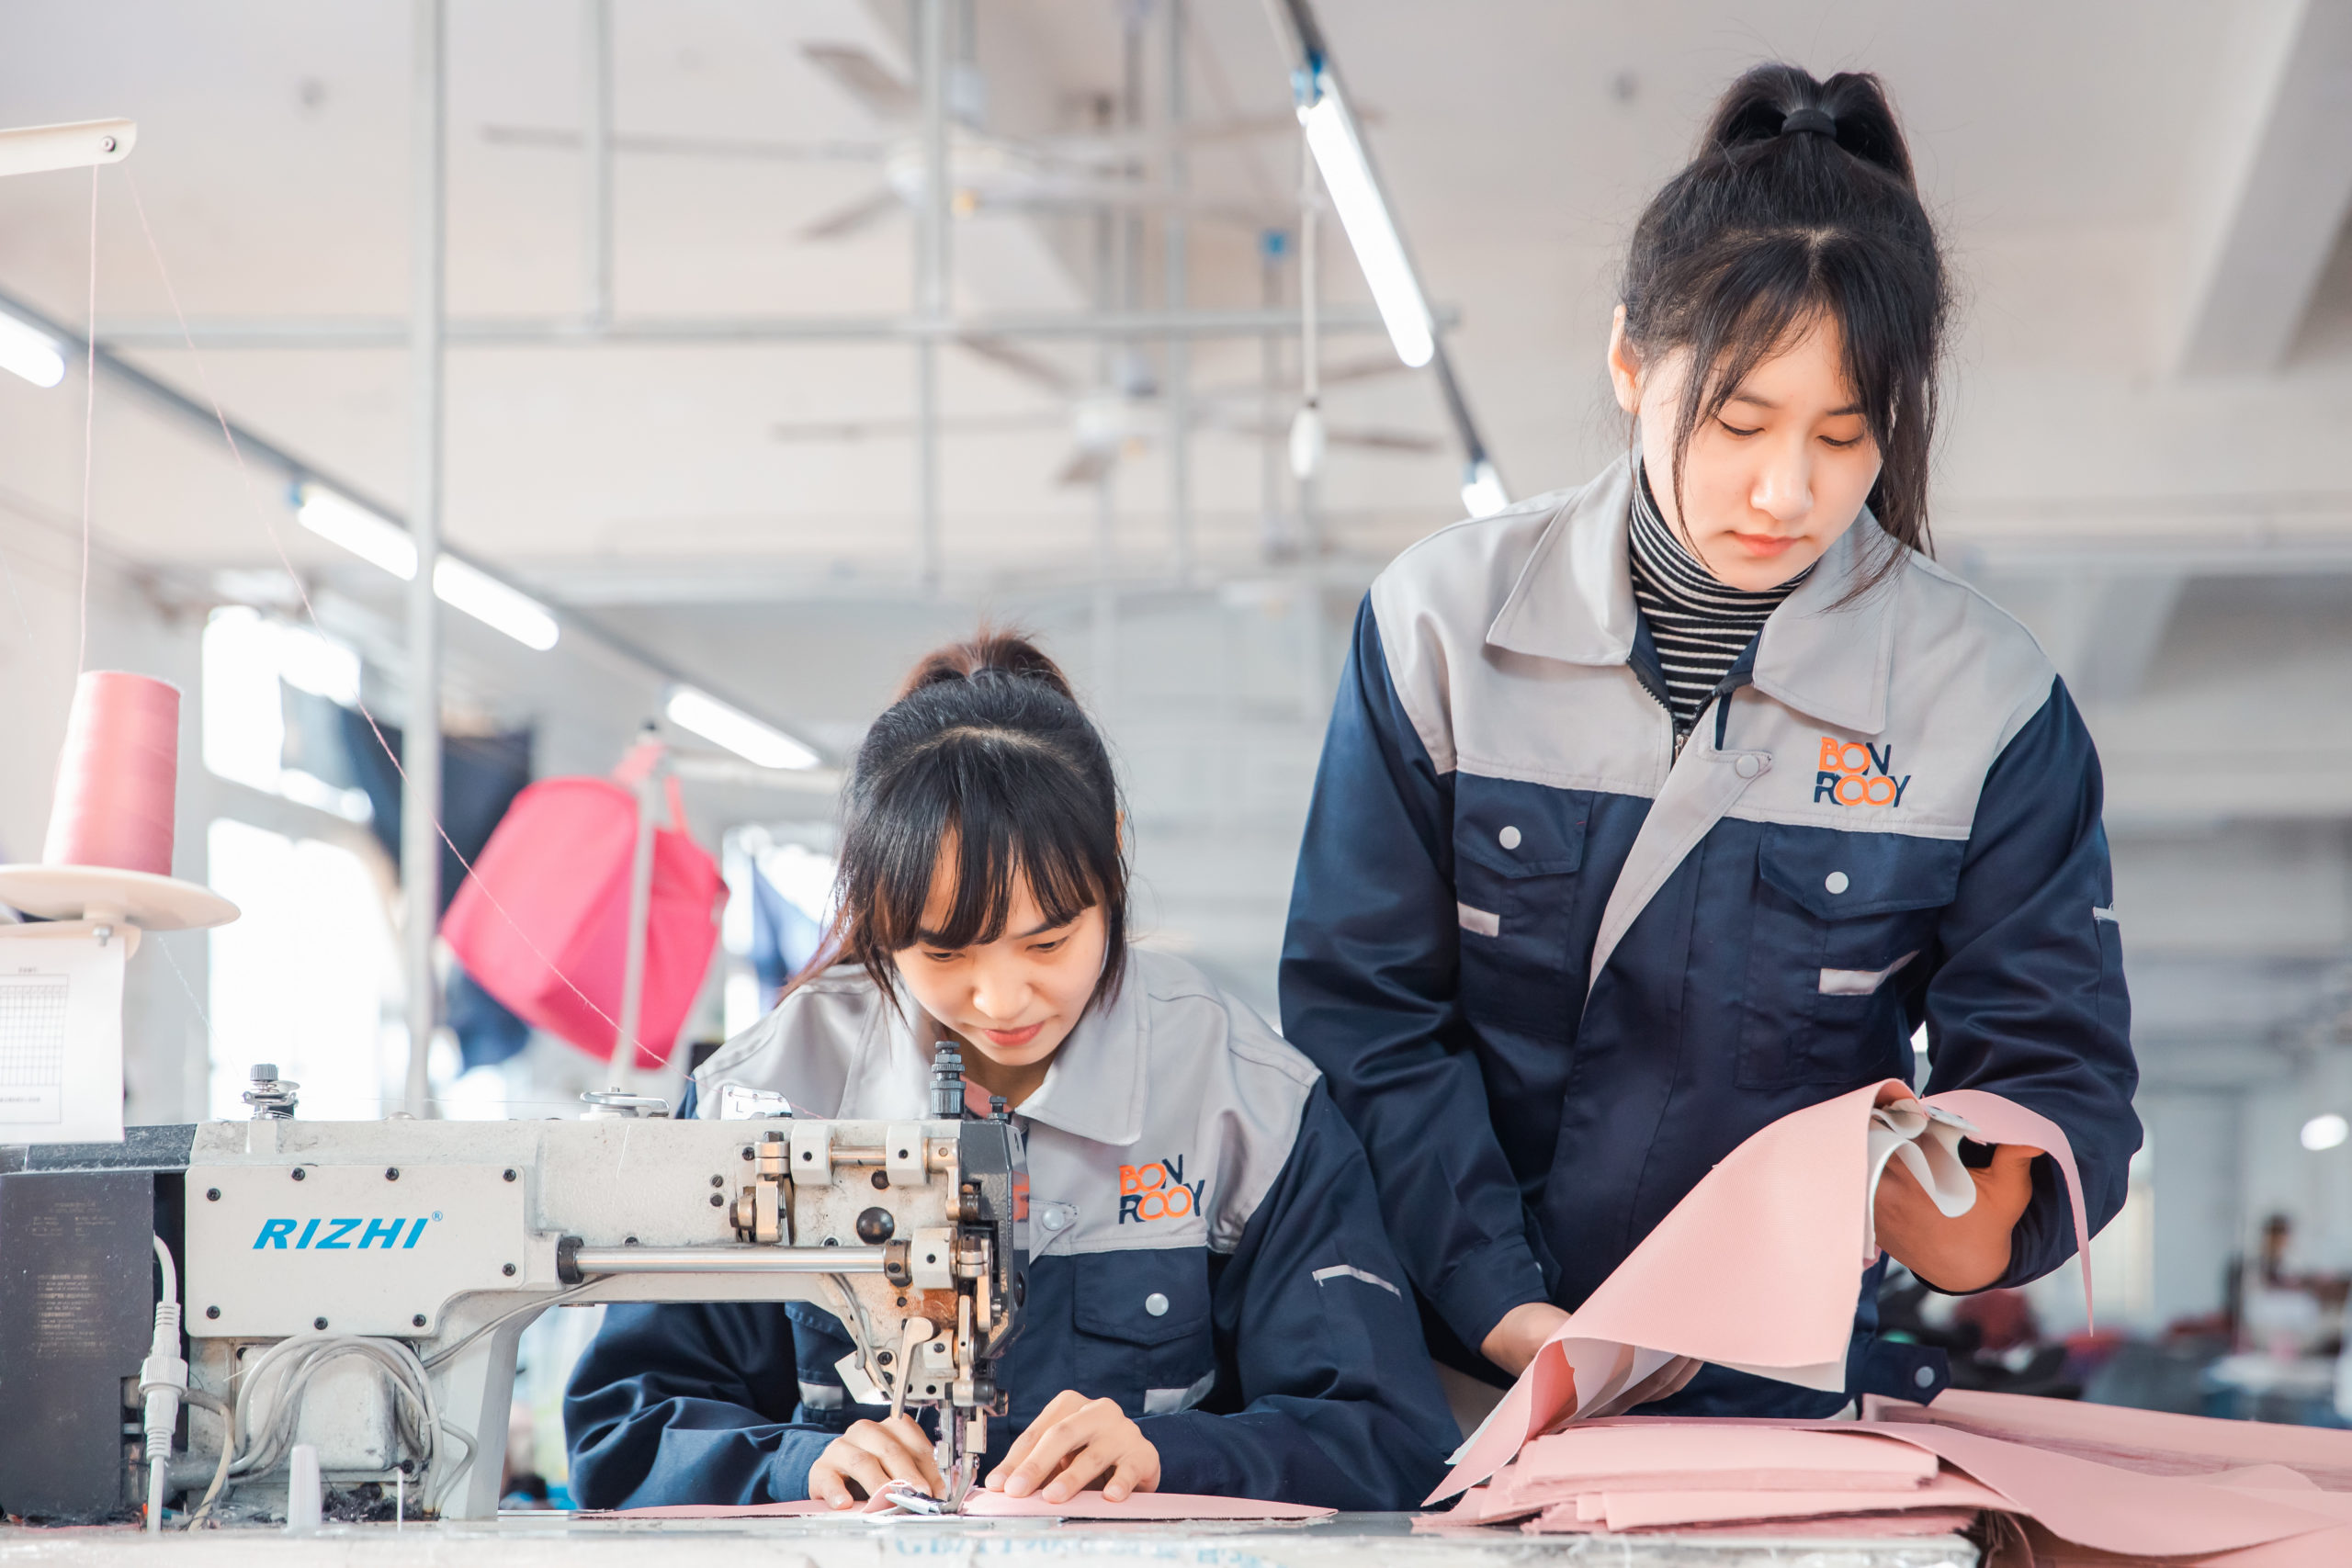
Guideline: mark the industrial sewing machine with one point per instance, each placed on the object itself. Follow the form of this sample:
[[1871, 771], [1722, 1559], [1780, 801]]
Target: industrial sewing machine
[[359, 1287]]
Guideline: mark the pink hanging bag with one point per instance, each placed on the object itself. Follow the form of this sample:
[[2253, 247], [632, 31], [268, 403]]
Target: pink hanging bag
[[547, 903]]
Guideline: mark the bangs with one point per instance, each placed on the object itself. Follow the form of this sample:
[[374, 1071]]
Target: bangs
[[1763, 298], [994, 814]]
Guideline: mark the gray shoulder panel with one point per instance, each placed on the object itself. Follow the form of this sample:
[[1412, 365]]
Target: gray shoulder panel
[[807, 1049], [1434, 601]]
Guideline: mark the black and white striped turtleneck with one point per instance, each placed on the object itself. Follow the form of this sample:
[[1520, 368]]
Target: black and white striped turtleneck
[[1700, 625]]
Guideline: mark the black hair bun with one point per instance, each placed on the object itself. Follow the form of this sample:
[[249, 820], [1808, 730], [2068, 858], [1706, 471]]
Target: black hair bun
[[1757, 108], [991, 653]]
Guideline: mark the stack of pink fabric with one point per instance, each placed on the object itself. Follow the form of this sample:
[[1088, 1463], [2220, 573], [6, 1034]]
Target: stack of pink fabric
[[1787, 1215], [2176, 1490], [1629, 1474]]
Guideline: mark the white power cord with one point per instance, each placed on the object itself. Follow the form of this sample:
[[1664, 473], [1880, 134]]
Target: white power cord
[[163, 1380], [286, 1369]]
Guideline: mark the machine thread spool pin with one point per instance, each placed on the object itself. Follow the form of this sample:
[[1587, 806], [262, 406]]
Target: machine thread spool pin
[[946, 1081]]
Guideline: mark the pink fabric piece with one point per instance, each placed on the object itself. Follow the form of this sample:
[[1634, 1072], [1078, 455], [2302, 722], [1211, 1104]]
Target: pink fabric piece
[[116, 775], [1823, 1527], [2154, 1442], [2090, 1504], [987, 1505], [1718, 1458], [2322, 1548], [1653, 1510], [1786, 1207]]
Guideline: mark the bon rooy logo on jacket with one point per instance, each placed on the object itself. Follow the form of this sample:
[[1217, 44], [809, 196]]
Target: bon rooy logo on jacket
[[1854, 774], [1158, 1192]]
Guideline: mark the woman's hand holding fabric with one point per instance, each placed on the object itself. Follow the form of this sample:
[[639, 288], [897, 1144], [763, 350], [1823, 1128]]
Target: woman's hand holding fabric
[[1956, 1254]]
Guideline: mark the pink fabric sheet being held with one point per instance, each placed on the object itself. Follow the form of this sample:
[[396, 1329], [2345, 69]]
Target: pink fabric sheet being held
[[1791, 1205]]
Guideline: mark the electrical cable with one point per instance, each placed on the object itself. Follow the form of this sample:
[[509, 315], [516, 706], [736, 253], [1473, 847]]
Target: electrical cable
[[291, 1363], [447, 1352], [162, 1384]]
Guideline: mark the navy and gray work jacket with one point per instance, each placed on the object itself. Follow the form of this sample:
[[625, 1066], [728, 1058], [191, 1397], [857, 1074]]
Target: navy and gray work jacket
[[1555, 971], [1205, 1247]]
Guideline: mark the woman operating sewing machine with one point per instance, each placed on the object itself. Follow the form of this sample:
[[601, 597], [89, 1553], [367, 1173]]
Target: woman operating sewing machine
[[1213, 1306]]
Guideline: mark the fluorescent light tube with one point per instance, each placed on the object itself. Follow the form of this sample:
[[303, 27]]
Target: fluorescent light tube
[[386, 545], [738, 732], [35, 356], [1482, 491], [1372, 234], [371, 538], [493, 604]]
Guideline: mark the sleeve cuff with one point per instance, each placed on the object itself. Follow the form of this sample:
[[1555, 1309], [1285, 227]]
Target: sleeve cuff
[[796, 1454], [1190, 1460], [1484, 1285]]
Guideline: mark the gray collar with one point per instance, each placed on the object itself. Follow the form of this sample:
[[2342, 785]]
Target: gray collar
[[1574, 601]]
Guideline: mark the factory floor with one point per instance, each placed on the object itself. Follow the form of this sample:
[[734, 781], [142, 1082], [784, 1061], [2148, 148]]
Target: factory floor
[[554, 1541]]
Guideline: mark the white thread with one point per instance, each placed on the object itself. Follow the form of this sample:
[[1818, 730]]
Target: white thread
[[89, 426]]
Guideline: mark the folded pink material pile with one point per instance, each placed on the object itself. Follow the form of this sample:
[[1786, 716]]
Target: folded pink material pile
[[1788, 1214], [2176, 1490]]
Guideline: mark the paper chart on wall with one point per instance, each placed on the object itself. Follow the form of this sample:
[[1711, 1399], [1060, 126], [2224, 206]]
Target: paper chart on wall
[[61, 1033]]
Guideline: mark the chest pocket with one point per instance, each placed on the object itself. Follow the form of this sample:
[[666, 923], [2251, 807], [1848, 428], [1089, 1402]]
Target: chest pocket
[[1843, 923], [1143, 1333], [1518, 851]]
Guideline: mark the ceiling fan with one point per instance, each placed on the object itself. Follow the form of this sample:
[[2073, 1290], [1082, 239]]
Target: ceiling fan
[[1124, 418], [986, 172]]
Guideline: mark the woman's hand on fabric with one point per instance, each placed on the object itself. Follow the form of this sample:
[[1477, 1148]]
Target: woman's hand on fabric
[[1074, 1442], [870, 1455], [1956, 1253], [1513, 1342]]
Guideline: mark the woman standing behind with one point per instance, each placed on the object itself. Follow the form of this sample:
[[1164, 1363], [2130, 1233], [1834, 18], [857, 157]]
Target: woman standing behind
[[1655, 810]]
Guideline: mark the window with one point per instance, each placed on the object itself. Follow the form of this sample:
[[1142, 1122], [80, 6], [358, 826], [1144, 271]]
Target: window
[[305, 979], [250, 664]]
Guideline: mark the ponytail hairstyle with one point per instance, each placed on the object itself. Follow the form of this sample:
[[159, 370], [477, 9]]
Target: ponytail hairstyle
[[1800, 208], [986, 755]]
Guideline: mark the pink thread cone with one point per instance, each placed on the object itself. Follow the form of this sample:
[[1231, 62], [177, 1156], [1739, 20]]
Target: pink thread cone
[[116, 775]]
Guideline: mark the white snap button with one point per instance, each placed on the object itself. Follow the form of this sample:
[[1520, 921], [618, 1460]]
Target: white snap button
[[1507, 838], [1749, 765], [1836, 882], [1052, 1219], [1925, 1376], [1156, 1304]]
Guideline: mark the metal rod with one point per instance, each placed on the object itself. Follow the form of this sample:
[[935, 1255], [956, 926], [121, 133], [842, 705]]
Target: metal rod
[[729, 1259], [1311, 325], [931, 279], [596, 141], [640, 909], [1273, 532], [421, 744], [1177, 264], [298, 469], [524, 331]]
